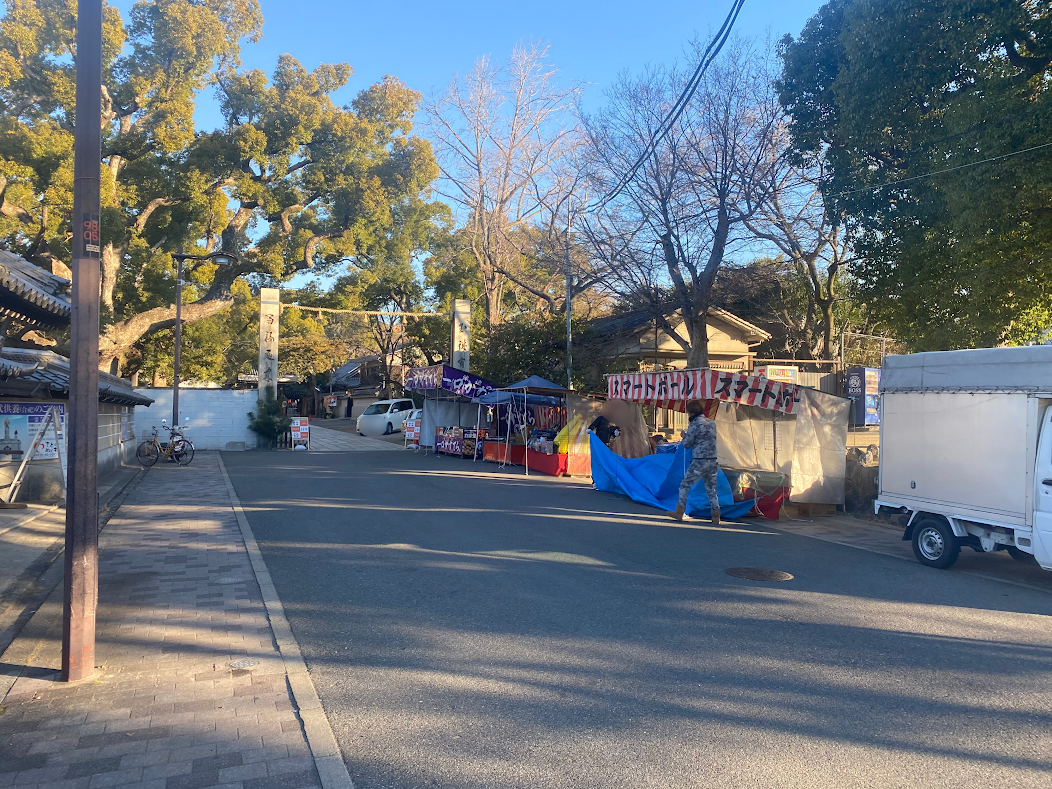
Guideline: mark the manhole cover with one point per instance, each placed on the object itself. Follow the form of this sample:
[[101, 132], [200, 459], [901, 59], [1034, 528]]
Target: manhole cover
[[758, 574], [243, 663], [230, 580]]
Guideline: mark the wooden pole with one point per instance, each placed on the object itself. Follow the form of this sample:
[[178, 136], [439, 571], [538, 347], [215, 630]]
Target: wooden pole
[[82, 507]]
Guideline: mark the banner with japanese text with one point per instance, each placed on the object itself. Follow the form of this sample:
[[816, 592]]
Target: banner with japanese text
[[450, 379], [673, 388]]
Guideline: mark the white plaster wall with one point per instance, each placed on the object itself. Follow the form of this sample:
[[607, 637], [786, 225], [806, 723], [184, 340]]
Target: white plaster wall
[[218, 417]]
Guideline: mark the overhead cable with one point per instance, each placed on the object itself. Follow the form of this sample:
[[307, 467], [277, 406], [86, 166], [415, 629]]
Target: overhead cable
[[710, 54], [941, 172]]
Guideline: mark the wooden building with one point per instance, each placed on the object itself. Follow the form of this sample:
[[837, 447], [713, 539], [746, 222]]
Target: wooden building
[[636, 341]]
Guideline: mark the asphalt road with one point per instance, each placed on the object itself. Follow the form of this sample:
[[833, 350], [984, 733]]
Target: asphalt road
[[467, 628]]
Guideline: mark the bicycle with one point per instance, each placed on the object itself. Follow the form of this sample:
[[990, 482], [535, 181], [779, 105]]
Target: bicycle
[[178, 449]]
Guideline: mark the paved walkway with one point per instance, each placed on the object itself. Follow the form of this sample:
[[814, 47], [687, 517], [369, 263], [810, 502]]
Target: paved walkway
[[191, 689], [323, 439]]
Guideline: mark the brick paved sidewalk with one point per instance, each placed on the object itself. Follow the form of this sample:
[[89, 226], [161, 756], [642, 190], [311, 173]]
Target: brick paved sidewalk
[[323, 439], [178, 604]]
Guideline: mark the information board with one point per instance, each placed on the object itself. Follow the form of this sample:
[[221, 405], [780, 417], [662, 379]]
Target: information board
[[21, 423], [300, 431]]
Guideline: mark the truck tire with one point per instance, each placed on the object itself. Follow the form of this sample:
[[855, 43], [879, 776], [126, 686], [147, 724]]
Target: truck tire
[[1020, 556], [934, 543]]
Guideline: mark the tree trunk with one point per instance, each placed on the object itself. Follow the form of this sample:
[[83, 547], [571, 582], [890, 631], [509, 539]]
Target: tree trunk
[[493, 282], [698, 358], [826, 308], [111, 266], [119, 337]]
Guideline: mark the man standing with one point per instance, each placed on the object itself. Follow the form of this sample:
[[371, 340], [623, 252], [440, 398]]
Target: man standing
[[701, 437]]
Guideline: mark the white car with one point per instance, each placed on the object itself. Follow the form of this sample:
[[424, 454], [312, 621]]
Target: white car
[[416, 413], [383, 417]]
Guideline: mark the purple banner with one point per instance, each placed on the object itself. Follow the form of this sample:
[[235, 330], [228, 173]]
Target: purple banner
[[440, 376]]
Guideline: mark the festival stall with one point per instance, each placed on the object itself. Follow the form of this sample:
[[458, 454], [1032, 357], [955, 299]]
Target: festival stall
[[775, 440], [527, 416], [452, 420]]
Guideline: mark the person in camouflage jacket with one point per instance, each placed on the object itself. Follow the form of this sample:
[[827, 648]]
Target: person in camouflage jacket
[[700, 437]]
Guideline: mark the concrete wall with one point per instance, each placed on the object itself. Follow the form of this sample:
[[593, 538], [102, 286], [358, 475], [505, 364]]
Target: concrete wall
[[218, 417], [116, 437]]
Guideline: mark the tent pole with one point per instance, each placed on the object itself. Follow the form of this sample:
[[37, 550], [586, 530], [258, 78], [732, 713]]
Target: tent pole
[[526, 437]]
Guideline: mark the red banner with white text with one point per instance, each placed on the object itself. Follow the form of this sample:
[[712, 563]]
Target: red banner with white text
[[673, 388]]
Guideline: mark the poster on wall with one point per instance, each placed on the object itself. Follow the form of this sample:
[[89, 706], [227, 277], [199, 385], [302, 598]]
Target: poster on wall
[[21, 423]]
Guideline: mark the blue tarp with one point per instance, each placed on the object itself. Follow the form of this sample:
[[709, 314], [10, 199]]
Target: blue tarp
[[654, 480]]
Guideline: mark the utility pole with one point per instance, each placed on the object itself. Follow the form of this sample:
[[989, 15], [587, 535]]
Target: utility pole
[[569, 305], [178, 335], [81, 581]]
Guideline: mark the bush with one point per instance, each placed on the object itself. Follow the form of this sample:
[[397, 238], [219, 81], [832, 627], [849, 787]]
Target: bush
[[268, 420]]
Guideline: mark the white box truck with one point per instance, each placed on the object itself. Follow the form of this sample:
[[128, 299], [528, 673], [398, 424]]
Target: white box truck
[[966, 451]]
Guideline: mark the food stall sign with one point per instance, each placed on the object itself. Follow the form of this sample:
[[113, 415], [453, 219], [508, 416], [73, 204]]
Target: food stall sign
[[673, 388], [789, 374], [300, 431]]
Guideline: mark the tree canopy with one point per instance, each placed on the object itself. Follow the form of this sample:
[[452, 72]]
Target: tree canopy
[[292, 181], [901, 99]]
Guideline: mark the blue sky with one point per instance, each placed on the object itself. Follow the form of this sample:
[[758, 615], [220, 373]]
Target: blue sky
[[424, 44]]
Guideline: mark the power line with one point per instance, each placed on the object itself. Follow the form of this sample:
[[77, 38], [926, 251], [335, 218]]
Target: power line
[[941, 172], [710, 54], [320, 310]]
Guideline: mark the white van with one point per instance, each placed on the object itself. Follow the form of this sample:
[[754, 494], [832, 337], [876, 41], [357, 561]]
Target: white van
[[383, 417]]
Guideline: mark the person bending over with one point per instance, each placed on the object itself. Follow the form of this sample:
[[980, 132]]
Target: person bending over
[[700, 437]]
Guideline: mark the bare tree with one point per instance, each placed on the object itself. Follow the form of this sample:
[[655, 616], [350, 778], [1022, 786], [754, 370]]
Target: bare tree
[[500, 134], [794, 218], [663, 238]]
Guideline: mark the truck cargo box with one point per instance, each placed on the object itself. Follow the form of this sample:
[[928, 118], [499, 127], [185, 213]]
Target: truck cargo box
[[965, 451]]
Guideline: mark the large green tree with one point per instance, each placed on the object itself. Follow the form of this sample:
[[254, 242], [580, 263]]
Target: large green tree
[[291, 182], [894, 96]]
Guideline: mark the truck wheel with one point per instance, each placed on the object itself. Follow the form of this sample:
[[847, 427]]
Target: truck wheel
[[1018, 555], [934, 543]]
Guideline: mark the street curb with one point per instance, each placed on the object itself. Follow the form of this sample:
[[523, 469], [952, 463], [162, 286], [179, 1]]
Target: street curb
[[322, 742]]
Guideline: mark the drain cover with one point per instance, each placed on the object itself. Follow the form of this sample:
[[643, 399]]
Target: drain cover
[[243, 663], [229, 580], [758, 574]]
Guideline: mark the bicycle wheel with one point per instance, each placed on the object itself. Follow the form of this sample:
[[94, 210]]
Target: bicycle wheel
[[183, 453], [147, 453]]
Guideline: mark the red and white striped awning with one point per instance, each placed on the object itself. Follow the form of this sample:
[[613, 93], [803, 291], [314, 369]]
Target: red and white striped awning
[[673, 388]]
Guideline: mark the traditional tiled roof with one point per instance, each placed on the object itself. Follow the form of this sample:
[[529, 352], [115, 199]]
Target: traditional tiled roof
[[32, 295], [47, 374], [12, 369]]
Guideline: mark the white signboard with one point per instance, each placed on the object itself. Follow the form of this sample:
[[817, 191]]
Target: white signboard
[[461, 350], [20, 425], [269, 318], [300, 431]]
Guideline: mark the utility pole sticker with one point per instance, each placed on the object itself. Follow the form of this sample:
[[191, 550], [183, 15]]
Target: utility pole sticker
[[269, 318], [91, 241]]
